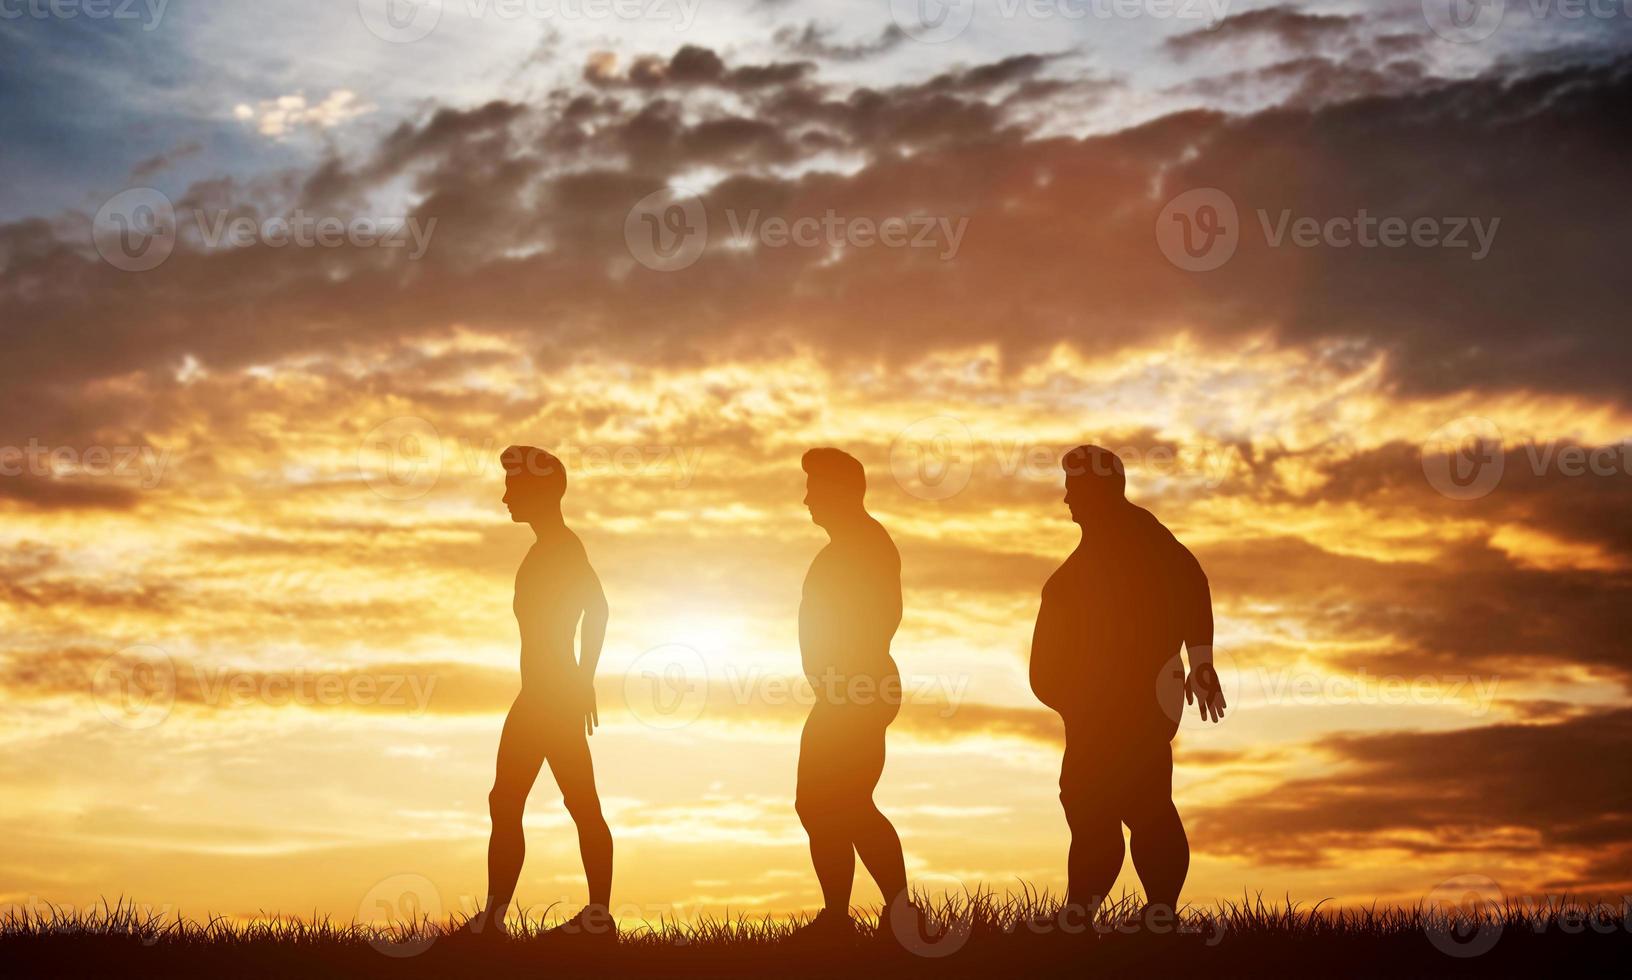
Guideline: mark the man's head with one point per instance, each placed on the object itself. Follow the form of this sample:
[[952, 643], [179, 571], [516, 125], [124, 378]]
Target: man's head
[[834, 486], [534, 482], [1093, 479]]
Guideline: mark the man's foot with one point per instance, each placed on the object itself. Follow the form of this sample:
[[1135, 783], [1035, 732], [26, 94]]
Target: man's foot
[[592, 923], [827, 928]]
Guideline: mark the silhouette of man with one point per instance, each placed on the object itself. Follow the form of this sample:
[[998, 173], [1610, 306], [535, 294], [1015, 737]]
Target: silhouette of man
[[849, 610], [1105, 656], [555, 711]]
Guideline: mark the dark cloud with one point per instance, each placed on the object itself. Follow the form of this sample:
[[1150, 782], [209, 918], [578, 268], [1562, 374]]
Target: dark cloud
[[531, 200], [815, 41], [161, 162], [1471, 609], [47, 493], [691, 65], [1569, 490], [1287, 25], [1492, 793]]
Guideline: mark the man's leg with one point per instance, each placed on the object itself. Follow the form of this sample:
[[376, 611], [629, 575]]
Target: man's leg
[[1095, 858], [575, 774], [877, 843], [819, 802], [1096, 854], [521, 753], [1161, 852]]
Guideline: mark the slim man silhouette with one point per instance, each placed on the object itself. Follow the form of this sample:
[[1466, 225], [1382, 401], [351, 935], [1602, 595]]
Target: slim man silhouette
[[555, 711], [1105, 656], [849, 610]]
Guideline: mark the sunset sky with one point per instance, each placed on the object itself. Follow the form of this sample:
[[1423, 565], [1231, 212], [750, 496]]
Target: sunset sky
[[255, 630]]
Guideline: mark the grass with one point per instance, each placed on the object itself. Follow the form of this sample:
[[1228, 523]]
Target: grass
[[976, 934]]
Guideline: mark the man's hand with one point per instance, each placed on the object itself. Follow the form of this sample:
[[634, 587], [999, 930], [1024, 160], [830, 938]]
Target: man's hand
[[586, 696], [1202, 687]]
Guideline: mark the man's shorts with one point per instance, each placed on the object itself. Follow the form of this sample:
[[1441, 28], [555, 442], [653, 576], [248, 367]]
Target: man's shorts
[[841, 755], [1123, 777]]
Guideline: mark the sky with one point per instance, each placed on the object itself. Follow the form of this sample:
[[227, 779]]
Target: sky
[[1343, 284]]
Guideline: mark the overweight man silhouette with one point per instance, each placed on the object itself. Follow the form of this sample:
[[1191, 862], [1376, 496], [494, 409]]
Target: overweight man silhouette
[[848, 612], [555, 711], [1105, 656]]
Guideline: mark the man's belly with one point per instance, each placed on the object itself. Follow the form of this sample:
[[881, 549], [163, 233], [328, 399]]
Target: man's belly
[[854, 680], [545, 667]]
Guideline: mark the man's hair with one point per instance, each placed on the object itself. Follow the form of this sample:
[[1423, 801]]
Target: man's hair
[[1095, 463], [835, 467], [536, 467]]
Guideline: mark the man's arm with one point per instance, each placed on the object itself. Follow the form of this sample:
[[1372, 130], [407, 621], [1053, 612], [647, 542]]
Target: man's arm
[[592, 638], [1197, 612]]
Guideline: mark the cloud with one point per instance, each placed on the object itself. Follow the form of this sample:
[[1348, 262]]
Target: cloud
[[691, 65], [161, 162], [1287, 25], [1491, 794], [535, 243], [285, 114], [50, 493], [452, 688], [815, 41]]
